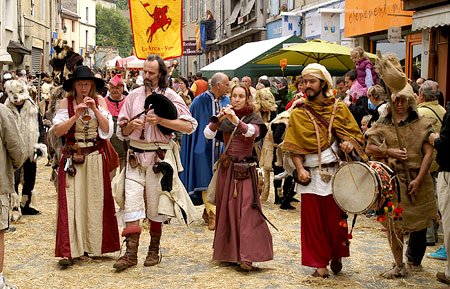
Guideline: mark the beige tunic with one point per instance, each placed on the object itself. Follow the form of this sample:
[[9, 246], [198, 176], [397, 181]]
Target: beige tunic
[[416, 216]]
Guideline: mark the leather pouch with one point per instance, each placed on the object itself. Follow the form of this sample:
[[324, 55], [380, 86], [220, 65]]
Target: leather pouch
[[78, 158], [241, 171]]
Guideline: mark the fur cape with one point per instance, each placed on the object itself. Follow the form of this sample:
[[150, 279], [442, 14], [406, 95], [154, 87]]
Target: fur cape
[[27, 121]]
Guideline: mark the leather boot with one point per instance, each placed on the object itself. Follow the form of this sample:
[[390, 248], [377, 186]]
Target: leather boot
[[129, 259], [212, 221], [153, 250]]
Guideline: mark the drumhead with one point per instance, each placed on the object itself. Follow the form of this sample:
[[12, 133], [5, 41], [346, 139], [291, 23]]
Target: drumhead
[[355, 187]]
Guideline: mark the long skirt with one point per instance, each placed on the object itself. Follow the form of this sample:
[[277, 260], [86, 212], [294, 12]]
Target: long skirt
[[241, 234], [86, 214]]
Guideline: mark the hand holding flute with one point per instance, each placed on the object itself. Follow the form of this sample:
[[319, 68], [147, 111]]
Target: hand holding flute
[[225, 112]]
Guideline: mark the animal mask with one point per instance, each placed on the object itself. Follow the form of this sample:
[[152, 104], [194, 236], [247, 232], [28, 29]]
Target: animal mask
[[17, 91], [264, 101]]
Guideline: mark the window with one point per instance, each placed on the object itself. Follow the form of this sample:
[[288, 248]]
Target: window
[[73, 45], [43, 9], [213, 6], [184, 11], [32, 8], [274, 7], [195, 4], [73, 26], [202, 9], [87, 14], [87, 38], [290, 5], [9, 16]]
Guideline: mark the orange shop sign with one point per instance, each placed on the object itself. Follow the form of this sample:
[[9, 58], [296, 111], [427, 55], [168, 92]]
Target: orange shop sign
[[364, 17]]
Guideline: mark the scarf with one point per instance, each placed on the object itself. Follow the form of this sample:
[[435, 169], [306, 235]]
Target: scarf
[[301, 137]]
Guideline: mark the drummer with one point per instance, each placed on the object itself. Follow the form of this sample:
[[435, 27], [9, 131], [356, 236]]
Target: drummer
[[324, 230], [417, 197]]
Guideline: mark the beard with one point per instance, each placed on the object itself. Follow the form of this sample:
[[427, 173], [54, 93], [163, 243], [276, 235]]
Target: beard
[[148, 84], [314, 95]]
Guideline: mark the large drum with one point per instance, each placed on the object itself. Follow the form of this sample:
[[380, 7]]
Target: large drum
[[358, 187]]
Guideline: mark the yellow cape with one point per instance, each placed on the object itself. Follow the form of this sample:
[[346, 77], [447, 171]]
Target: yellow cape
[[301, 137]]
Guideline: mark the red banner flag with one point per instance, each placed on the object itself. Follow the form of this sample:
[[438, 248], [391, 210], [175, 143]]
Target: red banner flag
[[157, 27]]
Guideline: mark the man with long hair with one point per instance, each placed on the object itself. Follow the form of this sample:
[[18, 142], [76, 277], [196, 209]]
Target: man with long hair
[[152, 160]]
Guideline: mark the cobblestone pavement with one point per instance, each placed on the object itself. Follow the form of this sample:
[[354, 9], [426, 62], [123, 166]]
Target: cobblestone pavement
[[186, 263]]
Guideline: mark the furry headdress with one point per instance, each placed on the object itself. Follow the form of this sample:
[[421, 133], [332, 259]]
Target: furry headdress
[[390, 70], [17, 90]]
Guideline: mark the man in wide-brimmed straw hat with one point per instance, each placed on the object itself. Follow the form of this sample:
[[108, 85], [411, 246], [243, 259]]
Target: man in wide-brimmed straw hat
[[417, 197], [324, 231], [86, 221], [152, 154]]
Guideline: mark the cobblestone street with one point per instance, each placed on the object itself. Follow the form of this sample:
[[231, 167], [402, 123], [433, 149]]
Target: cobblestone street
[[186, 262]]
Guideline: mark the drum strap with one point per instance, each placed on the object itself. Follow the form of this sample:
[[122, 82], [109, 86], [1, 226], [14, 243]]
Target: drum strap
[[353, 224], [331, 130], [325, 177]]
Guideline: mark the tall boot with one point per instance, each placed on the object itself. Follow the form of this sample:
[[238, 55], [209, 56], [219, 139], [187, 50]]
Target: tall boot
[[153, 250], [129, 259], [278, 195], [289, 190]]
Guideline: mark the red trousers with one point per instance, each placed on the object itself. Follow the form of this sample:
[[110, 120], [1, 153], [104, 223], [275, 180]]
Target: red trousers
[[323, 239]]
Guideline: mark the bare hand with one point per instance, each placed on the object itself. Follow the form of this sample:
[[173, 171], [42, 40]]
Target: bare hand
[[346, 147], [90, 102], [433, 136], [303, 175], [152, 119], [298, 101], [230, 115], [413, 187], [398, 154], [80, 109], [137, 124]]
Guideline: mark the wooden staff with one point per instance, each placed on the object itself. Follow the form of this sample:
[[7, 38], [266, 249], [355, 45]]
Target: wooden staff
[[412, 198]]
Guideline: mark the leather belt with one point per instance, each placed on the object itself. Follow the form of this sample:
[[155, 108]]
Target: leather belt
[[141, 150], [329, 165], [73, 141], [87, 150]]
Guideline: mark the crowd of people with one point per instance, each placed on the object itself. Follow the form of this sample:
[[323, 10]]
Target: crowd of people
[[151, 144]]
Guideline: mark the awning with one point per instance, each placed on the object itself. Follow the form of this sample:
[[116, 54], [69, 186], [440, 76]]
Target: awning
[[16, 47], [5, 57], [240, 35], [239, 62], [432, 17], [248, 7], [234, 14]]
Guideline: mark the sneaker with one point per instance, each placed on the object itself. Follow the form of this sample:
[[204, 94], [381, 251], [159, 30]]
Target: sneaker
[[439, 254], [281, 176]]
